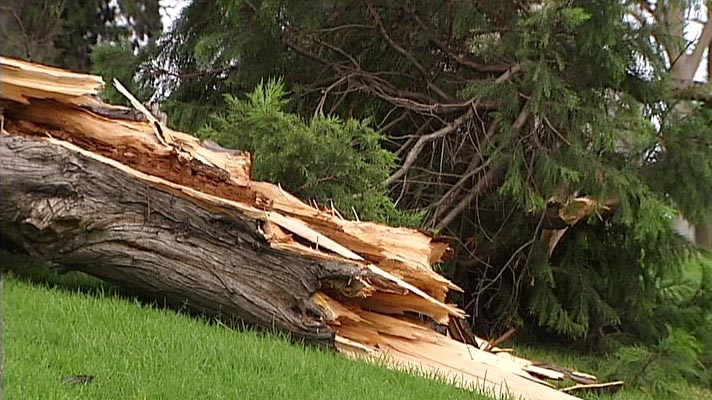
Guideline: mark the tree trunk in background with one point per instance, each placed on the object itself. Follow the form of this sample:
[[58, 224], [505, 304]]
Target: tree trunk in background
[[686, 61], [703, 231]]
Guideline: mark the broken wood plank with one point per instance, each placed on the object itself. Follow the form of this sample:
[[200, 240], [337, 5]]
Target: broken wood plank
[[589, 386], [503, 338], [416, 348], [574, 375]]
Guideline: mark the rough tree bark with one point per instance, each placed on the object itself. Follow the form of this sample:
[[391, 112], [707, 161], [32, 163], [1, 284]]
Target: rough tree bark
[[73, 210]]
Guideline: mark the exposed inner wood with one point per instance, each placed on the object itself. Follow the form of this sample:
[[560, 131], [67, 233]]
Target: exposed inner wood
[[95, 187], [589, 386]]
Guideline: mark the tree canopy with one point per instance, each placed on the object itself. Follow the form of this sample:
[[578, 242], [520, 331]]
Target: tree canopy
[[65, 33]]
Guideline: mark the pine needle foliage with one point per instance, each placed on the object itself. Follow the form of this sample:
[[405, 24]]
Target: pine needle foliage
[[119, 61], [663, 370], [65, 33], [333, 161]]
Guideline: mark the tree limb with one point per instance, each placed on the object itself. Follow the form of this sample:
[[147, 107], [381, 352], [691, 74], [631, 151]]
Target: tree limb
[[418, 147], [407, 54], [483, 184], [475, 66], [693, 60]]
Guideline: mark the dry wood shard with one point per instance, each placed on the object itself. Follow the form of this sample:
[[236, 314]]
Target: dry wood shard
[[115, 194]]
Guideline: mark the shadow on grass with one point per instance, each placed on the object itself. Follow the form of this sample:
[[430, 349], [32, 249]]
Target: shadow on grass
[[30, 270], [25, 268]]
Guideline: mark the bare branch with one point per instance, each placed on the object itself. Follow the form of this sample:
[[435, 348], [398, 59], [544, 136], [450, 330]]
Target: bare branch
[[693, 60], [422, 141], [473, 168], [483, 184], [345, 26], [398, 119], [381, 88], [320, 107], [439, 108], [460, 60], [21, 27], [407, 54], [688, 89], [336, 49]]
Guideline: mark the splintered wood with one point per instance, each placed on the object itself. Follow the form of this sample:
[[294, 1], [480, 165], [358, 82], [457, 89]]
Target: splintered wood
[[385, 311]]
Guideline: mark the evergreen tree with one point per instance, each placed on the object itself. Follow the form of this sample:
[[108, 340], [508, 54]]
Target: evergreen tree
[[65, 33], [499, 113], [334, 162]]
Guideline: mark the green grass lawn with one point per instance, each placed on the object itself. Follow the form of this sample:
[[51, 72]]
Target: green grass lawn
[[55, 326], [71, 325]]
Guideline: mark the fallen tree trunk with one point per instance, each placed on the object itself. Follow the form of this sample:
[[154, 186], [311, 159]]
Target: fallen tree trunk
[[70, 209], [126, 199]]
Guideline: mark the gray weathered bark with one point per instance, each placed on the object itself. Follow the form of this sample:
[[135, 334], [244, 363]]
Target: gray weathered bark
[[70, 209]]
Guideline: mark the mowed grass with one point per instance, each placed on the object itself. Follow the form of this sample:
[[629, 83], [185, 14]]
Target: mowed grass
[[59, 327]]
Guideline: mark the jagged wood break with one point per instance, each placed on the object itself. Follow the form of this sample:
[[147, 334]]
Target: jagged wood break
[[106, 191]]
